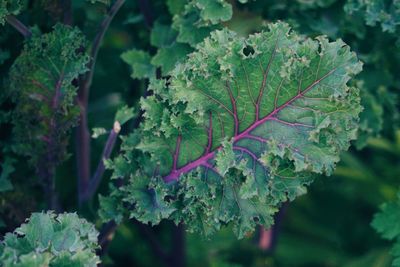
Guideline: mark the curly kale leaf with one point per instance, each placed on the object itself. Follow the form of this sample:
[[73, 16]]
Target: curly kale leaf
[[387, 224], [47, 239], [240, 128], [40, 85]]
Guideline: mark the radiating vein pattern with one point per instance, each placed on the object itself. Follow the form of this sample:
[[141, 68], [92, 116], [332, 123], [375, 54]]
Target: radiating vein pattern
[[241, 126]]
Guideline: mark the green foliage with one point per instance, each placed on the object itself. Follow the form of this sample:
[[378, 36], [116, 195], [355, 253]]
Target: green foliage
[[192, 22], [124, 114], [10, 7], [387, 224], [199, 18], [241, 127], [47, 239], [314, 230], [40, 85], [140, 62], [385, 13], [169, 51]]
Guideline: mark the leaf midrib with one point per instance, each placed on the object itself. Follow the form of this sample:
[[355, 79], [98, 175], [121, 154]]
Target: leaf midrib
[[202, 161]]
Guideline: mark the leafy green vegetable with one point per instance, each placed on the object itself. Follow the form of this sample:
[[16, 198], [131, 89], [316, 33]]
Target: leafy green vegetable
[[240, 127], [40, 85], [47, 239], [387, 224], [192, 22], [214, 11]]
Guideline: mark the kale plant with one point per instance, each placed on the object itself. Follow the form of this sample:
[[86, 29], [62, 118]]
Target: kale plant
[[151, 119]]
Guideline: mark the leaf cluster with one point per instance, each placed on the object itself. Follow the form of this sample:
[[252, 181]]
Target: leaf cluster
[[47, 239]]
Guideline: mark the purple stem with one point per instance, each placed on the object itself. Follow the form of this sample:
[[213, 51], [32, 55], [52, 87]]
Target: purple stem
[[19, 26], [108, 148], [274, 231], [83, 136]]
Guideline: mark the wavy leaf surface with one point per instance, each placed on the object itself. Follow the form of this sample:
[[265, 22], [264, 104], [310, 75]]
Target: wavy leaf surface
[[243, 124]]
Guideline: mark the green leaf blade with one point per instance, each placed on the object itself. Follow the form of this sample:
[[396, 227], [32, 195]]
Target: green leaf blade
[[252, 119]]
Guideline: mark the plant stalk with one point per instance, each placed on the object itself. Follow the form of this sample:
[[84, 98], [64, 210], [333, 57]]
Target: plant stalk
[[108, 148], [19, 26], [83, 135]]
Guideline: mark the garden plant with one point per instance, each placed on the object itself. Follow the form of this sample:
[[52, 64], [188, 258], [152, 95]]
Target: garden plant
[[200, 133]]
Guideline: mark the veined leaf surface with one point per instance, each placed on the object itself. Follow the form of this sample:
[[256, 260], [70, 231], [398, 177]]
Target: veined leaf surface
[[40, 84], [242, 125]]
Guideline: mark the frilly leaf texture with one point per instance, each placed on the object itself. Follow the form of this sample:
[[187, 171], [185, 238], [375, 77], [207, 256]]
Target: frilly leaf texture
[[240, 128], [47, 239], [40, 85]]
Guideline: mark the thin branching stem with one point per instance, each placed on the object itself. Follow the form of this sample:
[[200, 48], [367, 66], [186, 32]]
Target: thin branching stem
[[108, 148], [19, 26], [83, 136]]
